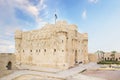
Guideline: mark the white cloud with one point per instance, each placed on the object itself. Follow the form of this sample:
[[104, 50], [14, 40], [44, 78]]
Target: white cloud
[[93, 1], [24, 5], [33, 10], [9, 22], [84, 14], [6, 42], [6, 46], [6, 49]]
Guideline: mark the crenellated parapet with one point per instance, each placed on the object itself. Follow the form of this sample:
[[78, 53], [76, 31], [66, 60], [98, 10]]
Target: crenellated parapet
[[61, 23], [85, 36], [73, 27], [18, 39], [18, 34], [58, 45]]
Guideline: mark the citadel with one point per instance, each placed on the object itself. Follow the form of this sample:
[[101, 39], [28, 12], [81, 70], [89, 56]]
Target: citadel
[[54, 52], [58, 45]]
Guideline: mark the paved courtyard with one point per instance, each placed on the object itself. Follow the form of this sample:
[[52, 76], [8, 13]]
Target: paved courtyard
[[108, 75], [70, 74]]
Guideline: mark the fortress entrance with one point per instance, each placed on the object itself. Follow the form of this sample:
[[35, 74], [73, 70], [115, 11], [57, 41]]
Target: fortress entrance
[[76, 57], [9, 65]]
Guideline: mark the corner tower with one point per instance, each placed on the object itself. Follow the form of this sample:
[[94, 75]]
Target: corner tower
[[18, 39]]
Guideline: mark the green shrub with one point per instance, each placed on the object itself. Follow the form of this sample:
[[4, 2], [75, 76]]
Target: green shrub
[[108, 62]]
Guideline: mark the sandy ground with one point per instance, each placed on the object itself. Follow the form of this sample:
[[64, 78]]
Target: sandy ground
[[108, 75], [5, 72]]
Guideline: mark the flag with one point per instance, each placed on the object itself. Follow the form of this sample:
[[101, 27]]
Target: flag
[[55, 16]]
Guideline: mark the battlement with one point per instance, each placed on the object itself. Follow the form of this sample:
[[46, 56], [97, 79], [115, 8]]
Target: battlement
[[52, 40], [18, 34], [85, 35], [73, 27], [6, 54], [61, 23]]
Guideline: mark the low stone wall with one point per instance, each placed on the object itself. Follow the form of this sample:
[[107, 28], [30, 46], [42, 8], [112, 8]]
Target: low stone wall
[[7, 63], [92, 57], [36, 77]]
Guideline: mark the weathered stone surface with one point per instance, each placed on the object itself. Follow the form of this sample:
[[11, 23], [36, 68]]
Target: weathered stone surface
[[57, 45], [92, 57], [7, 61]]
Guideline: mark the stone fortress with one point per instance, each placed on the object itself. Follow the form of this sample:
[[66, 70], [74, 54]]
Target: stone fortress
[[54, 52], [58, 45]]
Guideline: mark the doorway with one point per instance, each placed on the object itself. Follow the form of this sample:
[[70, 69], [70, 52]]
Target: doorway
[[76, 57], [9, 65]]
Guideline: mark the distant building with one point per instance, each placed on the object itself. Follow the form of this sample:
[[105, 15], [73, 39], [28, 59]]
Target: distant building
[[57, 45], [110, 56], [107, 56]]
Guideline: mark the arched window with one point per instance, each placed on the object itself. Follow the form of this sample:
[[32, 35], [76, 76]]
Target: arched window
[[116, 59], [62, 41], [105, 59], [44, 50], [54, 50]]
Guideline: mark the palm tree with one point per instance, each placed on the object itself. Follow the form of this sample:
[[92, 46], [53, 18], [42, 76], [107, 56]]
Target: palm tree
[[114, 52], [98, 53]]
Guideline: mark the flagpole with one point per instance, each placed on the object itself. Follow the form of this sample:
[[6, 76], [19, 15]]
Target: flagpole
[[55, 18]]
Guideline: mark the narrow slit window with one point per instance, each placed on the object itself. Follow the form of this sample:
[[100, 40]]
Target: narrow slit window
[[62, 41], [44, 50], [54, 50]]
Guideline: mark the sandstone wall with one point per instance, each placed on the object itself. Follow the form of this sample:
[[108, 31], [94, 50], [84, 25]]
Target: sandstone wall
[[57, 45], [5, 59], [92, 57]]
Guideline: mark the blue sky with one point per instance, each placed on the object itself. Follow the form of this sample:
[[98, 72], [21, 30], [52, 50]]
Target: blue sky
[[99, 18]]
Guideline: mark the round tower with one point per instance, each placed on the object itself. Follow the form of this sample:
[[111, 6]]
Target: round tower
[[18, 39]]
